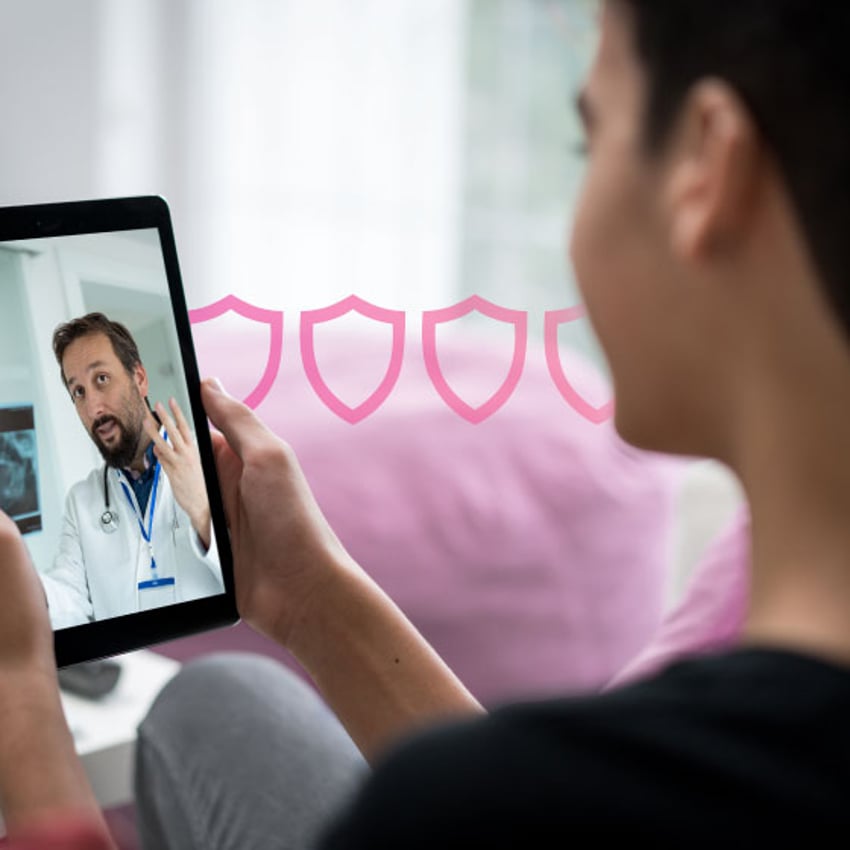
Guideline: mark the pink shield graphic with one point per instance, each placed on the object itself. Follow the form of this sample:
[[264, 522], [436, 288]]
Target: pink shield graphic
[[553, 320], [272, 318], [432, 318], [311, 318]]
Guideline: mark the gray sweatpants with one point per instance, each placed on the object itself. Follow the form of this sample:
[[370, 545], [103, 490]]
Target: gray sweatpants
[[238, 752]]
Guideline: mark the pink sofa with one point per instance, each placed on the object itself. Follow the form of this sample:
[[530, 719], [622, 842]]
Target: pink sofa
[[711, 612], [530, 549]]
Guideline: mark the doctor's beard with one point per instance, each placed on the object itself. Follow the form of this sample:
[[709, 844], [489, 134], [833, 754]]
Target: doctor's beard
[[131, 433]]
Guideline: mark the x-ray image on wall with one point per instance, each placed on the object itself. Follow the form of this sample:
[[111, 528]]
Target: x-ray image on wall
[[19, 468]]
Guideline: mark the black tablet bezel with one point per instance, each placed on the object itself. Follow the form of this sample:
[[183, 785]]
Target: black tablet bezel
[[135, 631]]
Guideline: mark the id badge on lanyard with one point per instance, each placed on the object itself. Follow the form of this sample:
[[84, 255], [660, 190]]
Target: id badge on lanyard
[[157, 590]]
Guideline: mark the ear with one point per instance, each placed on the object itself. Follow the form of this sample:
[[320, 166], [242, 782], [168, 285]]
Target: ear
[[713, 172], [140, 377]]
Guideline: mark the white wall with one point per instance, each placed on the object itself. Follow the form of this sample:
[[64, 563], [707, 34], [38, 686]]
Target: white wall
[[23, 381], [48, 92]]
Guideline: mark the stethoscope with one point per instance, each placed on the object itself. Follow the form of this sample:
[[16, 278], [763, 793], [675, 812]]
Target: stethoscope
[[109, 523], [109, 518]]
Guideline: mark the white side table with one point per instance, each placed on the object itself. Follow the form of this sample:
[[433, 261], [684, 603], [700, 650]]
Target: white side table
[[105, 730]]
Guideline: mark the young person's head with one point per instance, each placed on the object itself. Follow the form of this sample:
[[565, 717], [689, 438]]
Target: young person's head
[[710, 240]]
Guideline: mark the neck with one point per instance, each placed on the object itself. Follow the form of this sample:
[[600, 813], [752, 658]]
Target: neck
[[793, 451], [138, 462]]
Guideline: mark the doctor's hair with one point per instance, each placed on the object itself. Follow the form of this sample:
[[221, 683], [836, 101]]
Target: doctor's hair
[[123, 344], [789, 62]]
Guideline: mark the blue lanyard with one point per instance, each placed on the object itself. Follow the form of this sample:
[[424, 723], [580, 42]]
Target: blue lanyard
[[146, 534]]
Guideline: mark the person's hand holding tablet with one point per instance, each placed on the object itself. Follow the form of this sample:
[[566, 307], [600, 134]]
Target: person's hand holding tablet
[[296, 583]]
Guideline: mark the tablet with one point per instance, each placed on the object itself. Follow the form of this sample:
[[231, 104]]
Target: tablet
[[123, 520]]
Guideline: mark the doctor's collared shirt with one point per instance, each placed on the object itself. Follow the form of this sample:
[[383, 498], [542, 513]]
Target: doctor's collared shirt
[[142, 482]]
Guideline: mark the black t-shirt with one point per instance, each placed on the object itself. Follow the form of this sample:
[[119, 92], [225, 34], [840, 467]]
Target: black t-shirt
[[734, 750]]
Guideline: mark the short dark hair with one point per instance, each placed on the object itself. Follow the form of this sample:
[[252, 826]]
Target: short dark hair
[[789, 62], [123, 344]]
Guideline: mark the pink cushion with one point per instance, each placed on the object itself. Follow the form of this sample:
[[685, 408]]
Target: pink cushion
[[530, 549], [711, 613]]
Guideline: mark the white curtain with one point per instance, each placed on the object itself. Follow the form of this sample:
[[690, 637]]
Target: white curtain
[[310, 150]]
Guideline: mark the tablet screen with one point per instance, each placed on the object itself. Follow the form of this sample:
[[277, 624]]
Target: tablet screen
[[111, 491]]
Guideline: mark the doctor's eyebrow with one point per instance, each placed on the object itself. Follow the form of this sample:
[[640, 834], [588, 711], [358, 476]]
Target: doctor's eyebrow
[[96, 365]]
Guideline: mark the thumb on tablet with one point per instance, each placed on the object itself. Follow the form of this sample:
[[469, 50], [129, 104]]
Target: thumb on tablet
[[238, 423], [229, 468]]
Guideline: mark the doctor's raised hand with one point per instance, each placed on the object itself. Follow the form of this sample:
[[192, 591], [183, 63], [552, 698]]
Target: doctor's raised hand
[[296, 583], [40, 774], [181, 462]]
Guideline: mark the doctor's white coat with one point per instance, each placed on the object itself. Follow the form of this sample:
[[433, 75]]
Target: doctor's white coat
[[96, 574]]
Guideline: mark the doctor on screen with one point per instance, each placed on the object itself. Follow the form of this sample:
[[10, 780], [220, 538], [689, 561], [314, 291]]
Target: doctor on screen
[[136, 531]]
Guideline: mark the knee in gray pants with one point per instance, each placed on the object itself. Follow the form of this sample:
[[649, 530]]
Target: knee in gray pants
[[237, 751]]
